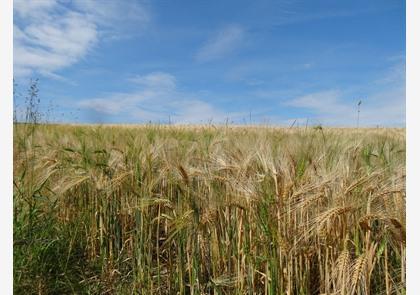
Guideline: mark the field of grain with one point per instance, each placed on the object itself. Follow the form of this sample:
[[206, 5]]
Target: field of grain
[[208, 210]]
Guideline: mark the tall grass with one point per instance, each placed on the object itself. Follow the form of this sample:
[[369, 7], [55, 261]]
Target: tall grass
[[209, 210]]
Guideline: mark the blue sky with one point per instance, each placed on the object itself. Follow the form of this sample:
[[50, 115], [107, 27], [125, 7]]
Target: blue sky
[[273, 62]]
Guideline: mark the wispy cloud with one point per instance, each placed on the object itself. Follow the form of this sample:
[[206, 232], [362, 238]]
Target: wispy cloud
[[155, 80], [223, 43], [114, 10], [50, 35], [294, 12], [325, 102], [383, 105], [116, 19], [157, 99]]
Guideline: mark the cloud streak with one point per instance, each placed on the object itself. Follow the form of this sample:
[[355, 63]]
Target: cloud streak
[[155, 80], [225, 42], [156, 99], [50, 36], [384, 107]]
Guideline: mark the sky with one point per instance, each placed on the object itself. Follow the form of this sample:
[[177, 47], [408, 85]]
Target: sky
[[280, 62]]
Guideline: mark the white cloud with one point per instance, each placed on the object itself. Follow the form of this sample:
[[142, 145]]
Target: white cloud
[[33, 9], [394, 76], [321, 102], [225, 42], [332, 107], [50, 35], [116, 19], [308, 65], [382, 104], [49, 46], [155, 80], [110, 11], [156, 99]]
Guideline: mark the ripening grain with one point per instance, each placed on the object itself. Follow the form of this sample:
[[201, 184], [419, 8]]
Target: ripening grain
[[208, 210]]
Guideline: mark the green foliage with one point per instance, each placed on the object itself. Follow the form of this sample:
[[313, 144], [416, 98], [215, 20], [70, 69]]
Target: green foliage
[[208, 210]]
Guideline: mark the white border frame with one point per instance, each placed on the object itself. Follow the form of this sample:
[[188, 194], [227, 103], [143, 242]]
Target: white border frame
[[6, 147], [413, 144]]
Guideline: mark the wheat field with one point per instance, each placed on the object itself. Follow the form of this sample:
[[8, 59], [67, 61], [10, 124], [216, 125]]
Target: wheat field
[[208, 210]]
